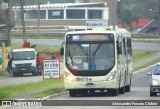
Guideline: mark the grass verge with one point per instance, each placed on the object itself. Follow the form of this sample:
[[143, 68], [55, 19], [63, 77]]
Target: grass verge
[[46, 51], [147, 40], [9, 92], [142, 55], [146, 65], [3, 73], [50, 92]]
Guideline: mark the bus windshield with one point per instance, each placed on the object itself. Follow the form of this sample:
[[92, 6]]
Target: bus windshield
[[90, 55], [23, 55]]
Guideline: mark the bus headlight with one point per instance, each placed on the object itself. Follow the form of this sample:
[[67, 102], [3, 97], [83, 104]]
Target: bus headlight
[[155, 82], [111, 76], [68, 76]]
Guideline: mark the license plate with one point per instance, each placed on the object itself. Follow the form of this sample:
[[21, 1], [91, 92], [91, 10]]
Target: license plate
[[90, 85], [23, 69]]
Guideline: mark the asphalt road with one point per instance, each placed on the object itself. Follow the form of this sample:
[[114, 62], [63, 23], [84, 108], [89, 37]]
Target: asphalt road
[[46, 42], [27, 78], [139, 91], [145, 46]]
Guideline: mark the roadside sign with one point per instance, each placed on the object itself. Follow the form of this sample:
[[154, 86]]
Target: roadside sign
[[91, 24], [51, 68]]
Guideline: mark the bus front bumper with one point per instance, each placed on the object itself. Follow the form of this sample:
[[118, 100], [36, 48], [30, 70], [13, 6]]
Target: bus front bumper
[[112, 84]]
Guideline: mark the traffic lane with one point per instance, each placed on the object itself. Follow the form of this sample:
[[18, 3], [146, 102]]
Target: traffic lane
[[145, 46], [45, 42], [139, 90], [12, 81], [135, 94], [142, 79]]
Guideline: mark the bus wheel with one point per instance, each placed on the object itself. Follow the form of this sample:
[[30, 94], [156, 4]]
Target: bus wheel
[[128, 88], [72, 93], [122, 90], [153, 93], [114, 92]]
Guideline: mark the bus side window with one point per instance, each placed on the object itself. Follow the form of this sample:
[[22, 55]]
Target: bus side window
[[124, 46], [129, 46], [119, 49]]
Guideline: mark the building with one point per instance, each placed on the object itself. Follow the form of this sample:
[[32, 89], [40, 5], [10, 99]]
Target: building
[[136, 25], [151, 28], [60, 18]]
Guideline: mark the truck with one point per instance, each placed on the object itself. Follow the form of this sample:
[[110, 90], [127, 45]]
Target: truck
[[24, 60]]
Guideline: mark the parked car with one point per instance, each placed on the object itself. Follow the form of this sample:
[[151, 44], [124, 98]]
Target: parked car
[[155, 80]]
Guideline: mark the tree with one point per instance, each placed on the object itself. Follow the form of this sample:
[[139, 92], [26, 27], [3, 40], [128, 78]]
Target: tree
[[1, 15], [126, 12], [130, 10]]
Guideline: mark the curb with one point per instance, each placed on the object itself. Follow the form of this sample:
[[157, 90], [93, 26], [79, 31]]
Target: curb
[[54, 95], [143, 69]]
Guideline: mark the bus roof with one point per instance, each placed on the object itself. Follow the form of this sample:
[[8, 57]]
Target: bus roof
[[103, 30], [92, 31]]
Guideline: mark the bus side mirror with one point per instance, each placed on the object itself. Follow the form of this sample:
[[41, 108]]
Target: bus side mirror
[[62, 50]]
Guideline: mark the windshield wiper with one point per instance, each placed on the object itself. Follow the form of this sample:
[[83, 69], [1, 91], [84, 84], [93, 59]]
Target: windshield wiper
[[83, 50], [97, 49]]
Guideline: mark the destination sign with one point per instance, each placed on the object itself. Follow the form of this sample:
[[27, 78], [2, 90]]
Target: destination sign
[[95, 37], [90, 37]]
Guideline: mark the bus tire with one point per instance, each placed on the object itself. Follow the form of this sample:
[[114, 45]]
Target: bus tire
[[72, 93], [153, 93], [128, 88], [122, 90], [114, 92]]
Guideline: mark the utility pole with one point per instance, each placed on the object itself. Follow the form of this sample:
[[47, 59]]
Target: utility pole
[[159, 19], [113, 15], [7, 24], [38, 19], [23, 22]]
